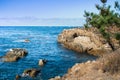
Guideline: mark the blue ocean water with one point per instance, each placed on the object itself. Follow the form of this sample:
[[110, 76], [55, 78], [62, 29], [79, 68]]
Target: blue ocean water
[[43, 45]]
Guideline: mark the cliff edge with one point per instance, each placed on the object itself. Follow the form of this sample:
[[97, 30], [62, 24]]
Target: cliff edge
[[88, 40]]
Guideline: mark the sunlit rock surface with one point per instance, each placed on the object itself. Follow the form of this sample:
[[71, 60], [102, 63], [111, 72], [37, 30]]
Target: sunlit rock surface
[[14, 54], [86, 40]]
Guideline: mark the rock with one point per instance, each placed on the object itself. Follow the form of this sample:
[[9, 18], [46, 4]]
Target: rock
[[42, 62], [100, 71], [31, 72], [34, 73], [11, 59], [56, 78], [94, 61], [28, 73], [17, 77], [82, 40], [25, 74], [14, 54], [88, 62], [26, 40]]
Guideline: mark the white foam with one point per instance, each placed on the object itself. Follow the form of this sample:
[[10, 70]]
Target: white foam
[[19, 41]]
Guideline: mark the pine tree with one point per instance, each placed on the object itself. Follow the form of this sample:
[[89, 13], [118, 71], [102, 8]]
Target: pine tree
[[105, 18]]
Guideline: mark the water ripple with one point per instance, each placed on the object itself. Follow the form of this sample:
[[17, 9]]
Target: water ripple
[[43, 45]]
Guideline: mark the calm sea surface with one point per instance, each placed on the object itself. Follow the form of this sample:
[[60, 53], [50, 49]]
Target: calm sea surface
[[43, 45]]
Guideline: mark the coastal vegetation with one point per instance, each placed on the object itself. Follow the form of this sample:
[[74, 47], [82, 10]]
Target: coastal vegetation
[[101, 34], [105, 20], [99, 37]]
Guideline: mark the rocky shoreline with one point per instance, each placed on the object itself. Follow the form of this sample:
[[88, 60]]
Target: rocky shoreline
[[92, 42], [104, 68], [87, 40]]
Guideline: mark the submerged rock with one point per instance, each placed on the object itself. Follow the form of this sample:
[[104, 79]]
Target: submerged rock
[[14, 54], [26, 40]]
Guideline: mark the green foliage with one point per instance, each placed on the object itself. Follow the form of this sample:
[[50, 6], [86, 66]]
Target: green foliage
[[103, 1], [117, 35], [117, 6], [105, 18]]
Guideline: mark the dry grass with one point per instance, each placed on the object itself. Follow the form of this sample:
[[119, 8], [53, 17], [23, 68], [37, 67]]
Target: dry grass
[[110, 62]]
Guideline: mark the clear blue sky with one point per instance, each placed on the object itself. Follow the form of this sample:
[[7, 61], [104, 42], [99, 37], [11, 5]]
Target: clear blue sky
[[45, 12]]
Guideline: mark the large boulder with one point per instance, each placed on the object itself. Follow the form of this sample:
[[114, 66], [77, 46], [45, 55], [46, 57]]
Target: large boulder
[[14, 54], [86, 40]]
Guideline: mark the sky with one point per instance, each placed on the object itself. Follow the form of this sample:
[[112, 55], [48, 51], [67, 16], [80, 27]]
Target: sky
[[45, 12]]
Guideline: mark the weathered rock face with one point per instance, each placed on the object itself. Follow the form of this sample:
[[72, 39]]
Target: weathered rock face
[[14, 54], [82, 40], [104, 68]]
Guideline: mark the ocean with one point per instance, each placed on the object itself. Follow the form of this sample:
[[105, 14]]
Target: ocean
[[43, 45]]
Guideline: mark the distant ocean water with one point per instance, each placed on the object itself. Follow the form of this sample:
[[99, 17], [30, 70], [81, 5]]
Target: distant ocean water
[[43, 45]]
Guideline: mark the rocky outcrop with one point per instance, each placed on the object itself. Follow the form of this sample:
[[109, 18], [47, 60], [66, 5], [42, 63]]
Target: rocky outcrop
[[42, 62], [14, 54], [17, 77], [28, 73], [104, 68], [86, 40]]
